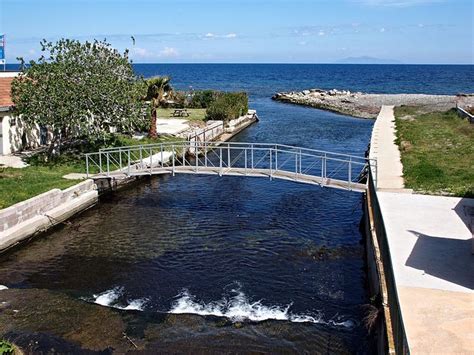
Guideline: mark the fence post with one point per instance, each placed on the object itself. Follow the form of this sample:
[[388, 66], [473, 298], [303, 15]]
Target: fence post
[[161, 153], [350, 173], [100, 162], [151, 160], [271, 172], [108, 164], [228, 156], [120, 158], [220, 161], [245, 149], [87, 165], [141, 157], [276, 158], [172, 148], [251, 157], [128, 154]]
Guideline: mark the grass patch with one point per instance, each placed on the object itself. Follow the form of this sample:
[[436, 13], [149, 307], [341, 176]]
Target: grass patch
[[17, 185], [437, 151], [20, 184], [195, 114]]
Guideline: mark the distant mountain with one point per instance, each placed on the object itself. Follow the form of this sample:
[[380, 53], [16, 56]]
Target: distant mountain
[[367, 60]]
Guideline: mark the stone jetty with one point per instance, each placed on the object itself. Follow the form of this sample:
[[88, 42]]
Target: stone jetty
[[367, 105]]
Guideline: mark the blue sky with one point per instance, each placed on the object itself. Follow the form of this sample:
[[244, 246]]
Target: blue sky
[[234, 31]]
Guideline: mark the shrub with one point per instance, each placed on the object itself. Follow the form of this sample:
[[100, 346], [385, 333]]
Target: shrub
[[227, 106], [203, 99]]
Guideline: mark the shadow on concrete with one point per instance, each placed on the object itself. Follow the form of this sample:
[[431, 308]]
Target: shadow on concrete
[[444, 258], [465, 210]]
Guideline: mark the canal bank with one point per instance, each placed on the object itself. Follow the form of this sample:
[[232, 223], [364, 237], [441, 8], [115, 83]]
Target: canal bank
[[419, 255], [26, 219]]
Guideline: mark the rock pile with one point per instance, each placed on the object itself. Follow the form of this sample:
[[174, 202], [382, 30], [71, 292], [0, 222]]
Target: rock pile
[[366, 105]]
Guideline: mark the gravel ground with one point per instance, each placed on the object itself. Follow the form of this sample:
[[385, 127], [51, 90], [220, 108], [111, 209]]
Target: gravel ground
[[368, 105]]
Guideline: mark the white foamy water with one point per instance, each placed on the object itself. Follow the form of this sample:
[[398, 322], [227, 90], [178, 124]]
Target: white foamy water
[[239, 308], [2, 287], [111, 298]]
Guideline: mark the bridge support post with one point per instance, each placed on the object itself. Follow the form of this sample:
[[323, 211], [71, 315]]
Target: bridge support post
[[128, 155]]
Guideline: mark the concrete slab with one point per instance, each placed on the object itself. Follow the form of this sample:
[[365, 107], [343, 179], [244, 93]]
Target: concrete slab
[[430, 246], [12, 161], [171, 126], [429, 241]]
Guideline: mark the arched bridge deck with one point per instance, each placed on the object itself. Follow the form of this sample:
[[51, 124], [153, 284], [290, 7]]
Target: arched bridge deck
[[274, 161]]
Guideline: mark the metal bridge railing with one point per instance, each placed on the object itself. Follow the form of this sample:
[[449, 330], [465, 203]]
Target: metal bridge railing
[[227, 158]]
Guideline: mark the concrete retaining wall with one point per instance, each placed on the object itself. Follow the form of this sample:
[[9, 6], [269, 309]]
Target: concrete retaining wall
[[26, 218]]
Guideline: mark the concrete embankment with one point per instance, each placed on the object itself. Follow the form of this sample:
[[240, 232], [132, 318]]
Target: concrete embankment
[[30, 217], [419, 257], [365, 105]]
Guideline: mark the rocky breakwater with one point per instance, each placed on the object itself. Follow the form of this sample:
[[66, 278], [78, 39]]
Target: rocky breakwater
[[366, 105]]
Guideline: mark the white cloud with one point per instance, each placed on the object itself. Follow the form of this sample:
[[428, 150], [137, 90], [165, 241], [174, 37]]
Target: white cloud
[[321, 33], [303, 43], [382, 30], [169, 52], [141, 52], [211, 35]]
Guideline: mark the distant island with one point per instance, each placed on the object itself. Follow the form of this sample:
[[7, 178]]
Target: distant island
[[367, 60]]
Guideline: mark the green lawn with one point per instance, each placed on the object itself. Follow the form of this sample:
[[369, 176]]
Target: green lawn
[[195, 114], [437, 151], [20, 184]]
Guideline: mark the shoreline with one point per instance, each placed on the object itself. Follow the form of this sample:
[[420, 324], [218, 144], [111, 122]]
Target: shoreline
[[364, 105]]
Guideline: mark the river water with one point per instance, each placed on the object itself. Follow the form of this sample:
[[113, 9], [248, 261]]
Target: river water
[[263, 266]]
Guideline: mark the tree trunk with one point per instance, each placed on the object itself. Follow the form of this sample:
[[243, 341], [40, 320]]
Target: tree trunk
[[152, 132]]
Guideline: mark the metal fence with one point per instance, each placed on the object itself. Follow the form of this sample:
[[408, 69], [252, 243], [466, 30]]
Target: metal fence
[[397, 341]]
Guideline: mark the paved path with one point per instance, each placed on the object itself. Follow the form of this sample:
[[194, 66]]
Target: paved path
[[384, 149], [430, 245]]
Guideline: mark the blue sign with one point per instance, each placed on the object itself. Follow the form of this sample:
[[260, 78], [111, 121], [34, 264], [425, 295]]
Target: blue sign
[[2, 47]]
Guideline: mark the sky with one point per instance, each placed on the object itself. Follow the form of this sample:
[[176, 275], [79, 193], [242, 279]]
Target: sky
[[249, 31]]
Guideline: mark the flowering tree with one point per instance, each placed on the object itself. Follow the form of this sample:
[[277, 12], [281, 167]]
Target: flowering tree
[[79, 90]]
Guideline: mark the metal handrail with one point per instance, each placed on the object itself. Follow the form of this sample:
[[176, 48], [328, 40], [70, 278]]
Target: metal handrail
[[219, 143], [316, 166]]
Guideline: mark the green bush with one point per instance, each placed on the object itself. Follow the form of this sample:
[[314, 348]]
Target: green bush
[[227, 106], [5, 347], [203, 99]]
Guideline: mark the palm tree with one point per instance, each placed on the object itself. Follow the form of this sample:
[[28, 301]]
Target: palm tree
[[158, 89]]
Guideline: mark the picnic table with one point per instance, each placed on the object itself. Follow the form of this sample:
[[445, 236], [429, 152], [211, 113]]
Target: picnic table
[[180, 112]]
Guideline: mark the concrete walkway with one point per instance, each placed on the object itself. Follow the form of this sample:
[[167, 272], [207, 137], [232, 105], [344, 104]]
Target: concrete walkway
[[430, 240], [384, 149]]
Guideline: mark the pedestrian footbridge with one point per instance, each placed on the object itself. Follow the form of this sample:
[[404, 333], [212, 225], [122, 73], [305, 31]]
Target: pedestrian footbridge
[[272, 161]]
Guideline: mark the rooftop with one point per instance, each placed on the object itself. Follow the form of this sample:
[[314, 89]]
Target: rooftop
[[5, 91]]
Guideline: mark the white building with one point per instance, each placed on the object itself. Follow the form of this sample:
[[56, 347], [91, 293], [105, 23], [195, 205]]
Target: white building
[[14, 134]]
